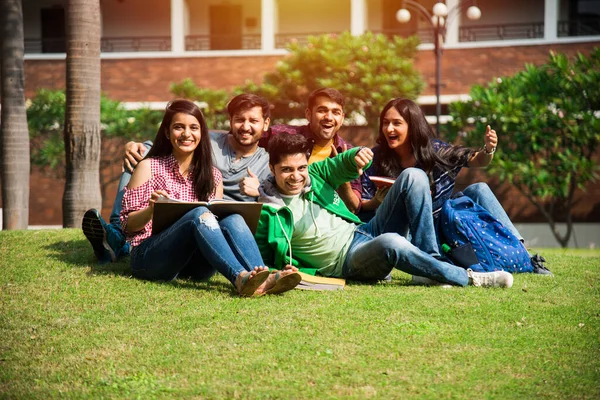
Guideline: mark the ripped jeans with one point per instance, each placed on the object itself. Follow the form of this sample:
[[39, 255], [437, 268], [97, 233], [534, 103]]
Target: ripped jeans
[[197, 246]]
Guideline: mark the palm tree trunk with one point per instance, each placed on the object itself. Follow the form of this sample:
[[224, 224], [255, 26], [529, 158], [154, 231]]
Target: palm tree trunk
[[82, 116], [14, 136]]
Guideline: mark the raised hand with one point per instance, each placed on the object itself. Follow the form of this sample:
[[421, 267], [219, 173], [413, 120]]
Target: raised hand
[[362, 158], [134, 153], [490, 139], [334, 151], [249, 185]]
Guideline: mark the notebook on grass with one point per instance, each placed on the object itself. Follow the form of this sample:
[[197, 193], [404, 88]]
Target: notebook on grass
[[312, 282]]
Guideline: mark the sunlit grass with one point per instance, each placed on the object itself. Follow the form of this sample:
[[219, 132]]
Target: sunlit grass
[[71, 328]]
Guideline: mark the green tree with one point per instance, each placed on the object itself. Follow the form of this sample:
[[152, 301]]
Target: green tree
[[550, 120], [46, 116], [14, 140], [212, 102], [369, 70]]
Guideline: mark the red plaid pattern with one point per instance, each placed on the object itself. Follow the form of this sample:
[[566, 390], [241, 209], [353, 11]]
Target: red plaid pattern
[[165, 176]]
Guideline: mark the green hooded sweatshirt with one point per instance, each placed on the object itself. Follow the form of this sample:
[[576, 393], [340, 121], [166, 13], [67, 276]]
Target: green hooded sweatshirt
[[276, 224]]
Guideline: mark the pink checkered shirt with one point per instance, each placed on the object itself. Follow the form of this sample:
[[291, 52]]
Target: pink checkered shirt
[[165, 176]]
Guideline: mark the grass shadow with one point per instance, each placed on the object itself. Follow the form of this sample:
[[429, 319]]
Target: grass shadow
[[399, 278], [78, 253], [75, 252], [211, 285]]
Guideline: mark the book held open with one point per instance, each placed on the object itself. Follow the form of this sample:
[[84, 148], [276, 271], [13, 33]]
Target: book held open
[[167, 211]]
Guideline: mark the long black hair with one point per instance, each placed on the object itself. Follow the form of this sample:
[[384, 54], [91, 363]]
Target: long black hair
[[388, 163], [202, 163]]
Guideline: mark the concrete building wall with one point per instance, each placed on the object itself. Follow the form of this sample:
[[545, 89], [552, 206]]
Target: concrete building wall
[[152, 17], [313, 16], [136, 18], [199, 11]]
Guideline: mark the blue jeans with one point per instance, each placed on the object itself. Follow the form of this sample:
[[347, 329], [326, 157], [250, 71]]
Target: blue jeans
[[381, 245], [125, 177], [481, 194], [197, 245]]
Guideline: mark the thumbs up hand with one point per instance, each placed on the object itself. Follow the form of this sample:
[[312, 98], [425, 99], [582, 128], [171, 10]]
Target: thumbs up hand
[[490, 140], [362, 158], [334, 151], [249, 185], [251, 174]]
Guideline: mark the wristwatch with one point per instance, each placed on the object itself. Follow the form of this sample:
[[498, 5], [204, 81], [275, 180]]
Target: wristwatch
[[485, 150]]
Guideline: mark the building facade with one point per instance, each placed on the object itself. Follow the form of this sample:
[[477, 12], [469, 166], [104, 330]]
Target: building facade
[[149, 44]]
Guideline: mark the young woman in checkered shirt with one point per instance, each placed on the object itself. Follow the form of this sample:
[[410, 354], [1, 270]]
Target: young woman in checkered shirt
[[179, 166]]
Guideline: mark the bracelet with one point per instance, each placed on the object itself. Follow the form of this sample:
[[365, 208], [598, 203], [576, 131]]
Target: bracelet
[[485, 150]]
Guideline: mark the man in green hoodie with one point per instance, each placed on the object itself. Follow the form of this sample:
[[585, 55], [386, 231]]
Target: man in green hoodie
[[305, 223]]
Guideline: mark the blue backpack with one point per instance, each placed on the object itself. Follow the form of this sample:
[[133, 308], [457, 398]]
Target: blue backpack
[[464, 224]]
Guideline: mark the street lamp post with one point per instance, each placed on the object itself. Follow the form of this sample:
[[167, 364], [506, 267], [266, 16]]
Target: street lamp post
[[439, 19]]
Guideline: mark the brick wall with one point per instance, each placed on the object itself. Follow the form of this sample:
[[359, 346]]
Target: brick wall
[[464, 68], [149, 79]]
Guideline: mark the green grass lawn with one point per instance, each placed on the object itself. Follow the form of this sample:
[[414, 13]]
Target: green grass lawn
[[71, 328]]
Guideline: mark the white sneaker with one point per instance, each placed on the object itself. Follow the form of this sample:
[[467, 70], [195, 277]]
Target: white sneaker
[[490, 279], [421, 280]]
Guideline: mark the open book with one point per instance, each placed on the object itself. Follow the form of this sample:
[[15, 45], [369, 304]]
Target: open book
[[167, 211], [312, 282], [382, 181]]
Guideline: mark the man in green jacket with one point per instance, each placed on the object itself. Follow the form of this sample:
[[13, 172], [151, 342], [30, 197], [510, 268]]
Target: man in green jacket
[[305, 223]]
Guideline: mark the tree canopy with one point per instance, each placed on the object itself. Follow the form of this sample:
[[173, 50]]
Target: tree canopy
[[368, 70], [550, 119]]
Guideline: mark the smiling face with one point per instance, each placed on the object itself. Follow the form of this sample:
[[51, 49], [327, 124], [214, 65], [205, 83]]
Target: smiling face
[[247, 126], [325, 118], [184, 134], [395, 129], [291, 174]]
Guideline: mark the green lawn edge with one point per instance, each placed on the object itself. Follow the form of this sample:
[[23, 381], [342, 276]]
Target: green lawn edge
[[70, 328]]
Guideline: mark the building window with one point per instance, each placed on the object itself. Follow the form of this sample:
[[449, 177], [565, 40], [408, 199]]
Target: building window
[[53, 30], [225, 27], [579, 18]]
